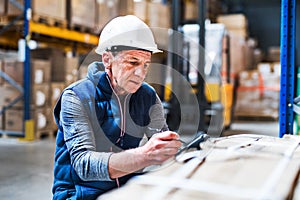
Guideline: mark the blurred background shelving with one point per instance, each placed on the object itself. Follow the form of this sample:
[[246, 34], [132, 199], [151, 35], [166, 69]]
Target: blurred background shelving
[[62, 35]]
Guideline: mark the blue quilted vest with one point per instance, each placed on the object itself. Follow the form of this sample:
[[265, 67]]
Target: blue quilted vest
[[96, 95]]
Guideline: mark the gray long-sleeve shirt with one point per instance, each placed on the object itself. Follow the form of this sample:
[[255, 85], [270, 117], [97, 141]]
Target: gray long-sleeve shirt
[[89, 164]]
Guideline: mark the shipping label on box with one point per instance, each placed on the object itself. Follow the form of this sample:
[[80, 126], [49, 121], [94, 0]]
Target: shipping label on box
[[41, 95], [41, 71], [43, 119], [56, 90]]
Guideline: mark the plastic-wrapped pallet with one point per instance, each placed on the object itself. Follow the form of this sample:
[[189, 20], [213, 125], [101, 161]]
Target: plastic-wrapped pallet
[[235, 167]]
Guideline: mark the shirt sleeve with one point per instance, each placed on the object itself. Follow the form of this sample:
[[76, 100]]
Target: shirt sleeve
[[157, 119], [79, 137]]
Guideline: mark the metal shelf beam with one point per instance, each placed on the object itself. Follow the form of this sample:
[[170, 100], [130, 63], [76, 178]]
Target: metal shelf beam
[[287, 59], [63, 33]]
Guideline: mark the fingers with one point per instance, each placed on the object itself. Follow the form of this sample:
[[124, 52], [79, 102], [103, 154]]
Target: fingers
[[167, 135], [161, 155], [163, 146]]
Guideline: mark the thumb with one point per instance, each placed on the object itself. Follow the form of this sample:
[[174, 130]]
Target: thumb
[[167, 135]]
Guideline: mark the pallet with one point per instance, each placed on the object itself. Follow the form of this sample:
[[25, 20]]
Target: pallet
[[6, 19], [51, 21], [258, 117], [47, 133], [82, 28]]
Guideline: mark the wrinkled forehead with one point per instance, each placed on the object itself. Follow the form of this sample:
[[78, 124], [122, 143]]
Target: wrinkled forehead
[[135, 54]]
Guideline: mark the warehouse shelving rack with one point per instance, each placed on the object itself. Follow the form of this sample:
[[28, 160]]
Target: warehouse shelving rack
[[30, 27], [287, 59], [287, 80]]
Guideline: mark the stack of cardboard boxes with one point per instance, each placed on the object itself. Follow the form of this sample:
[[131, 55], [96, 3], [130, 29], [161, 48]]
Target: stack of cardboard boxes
[[51, 71], [40, 90], [258, 92], [257, 78]]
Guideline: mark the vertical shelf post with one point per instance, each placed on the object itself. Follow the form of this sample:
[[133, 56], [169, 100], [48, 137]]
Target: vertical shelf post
[[28, 122], [201, 63], [287, 59]]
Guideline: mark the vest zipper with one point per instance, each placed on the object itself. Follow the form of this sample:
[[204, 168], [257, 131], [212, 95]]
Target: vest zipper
[[123, 119], [123, 115]]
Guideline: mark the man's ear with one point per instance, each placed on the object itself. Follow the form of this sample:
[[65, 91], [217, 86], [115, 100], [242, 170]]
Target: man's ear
[[107, 59]]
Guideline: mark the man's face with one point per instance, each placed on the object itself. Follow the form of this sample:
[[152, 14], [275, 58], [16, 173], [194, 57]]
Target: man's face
[[129, 69]]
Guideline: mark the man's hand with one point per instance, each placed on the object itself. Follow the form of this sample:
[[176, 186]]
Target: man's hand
[[161, 147]]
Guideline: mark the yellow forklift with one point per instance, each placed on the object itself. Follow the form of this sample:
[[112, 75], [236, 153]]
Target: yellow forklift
[[201, 57]]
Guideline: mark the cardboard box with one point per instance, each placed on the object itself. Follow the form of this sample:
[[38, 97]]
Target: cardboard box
[[233, 21], [258, 93], [14, 69], [55, 9], [43, 118], [56, 57], [2, 7], [273, 54], [191, 10], [1, 69], [13, 120], [126, 7], [105, 11], [8, 94], [41, 95], [236, 24], [237, 54], [244, 166], [141, 10], [82, 13], [41, 71], [71, 67], [159, 15], [13, 10]]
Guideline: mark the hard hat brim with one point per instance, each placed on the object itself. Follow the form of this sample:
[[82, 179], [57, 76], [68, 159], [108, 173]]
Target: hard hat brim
[[124, 48]]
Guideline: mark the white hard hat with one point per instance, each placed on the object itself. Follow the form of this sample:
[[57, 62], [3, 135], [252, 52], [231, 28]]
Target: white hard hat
[[124, 33]]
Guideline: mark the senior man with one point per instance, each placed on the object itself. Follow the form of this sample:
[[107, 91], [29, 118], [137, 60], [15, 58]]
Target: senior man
[[103, 119]]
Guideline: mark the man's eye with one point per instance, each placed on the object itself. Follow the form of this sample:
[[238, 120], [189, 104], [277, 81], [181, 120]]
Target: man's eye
[[133, 63], [146, 65]]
